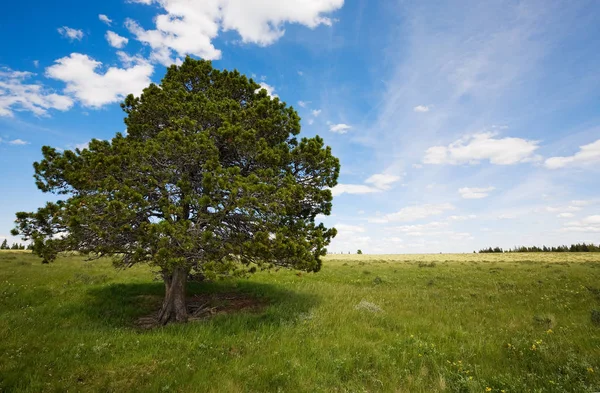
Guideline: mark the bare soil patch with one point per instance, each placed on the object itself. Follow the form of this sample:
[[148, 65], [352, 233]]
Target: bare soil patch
[[207, 305]]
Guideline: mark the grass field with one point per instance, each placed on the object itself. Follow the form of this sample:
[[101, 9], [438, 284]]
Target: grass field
[[396, 323]]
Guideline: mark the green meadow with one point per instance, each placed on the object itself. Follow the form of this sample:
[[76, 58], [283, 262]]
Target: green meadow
[[365, 323]]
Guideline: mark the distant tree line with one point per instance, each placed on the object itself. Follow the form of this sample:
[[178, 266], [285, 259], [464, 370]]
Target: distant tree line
[[15, 246], [579, 247]]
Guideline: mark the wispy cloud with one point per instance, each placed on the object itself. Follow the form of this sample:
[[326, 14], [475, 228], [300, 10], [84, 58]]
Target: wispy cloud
[[414, 213], [17, 93], [475, 192], [70, 33]]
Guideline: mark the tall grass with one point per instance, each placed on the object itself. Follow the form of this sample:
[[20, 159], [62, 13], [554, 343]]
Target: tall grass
[[408, 323]]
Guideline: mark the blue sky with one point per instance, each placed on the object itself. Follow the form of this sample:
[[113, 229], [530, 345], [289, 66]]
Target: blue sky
[[459, 125]]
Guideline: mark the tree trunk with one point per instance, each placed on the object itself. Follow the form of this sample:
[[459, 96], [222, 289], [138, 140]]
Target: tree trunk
[[174, 307]]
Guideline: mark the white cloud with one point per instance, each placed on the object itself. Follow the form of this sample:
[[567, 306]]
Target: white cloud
[[353, 189], [270, 89], [414, 213], [475, 193], [82, 146], [71, 34], [128, 60], [300, 73], [421, 108], [507, 216], [95, 89], [18, 142], [443, 234], [589, 224], [462, 218], [303, 104], [570, 208], [349, 237], [16, 95], [311, 121], [483, 146], [587, 155], [189, 27], [105, 19], [115, 40], [339, 128], [349, 228], [316, 112], [421, 227], [565, 215], [378, 182], [581, 203], [36, 63], [382, 181]]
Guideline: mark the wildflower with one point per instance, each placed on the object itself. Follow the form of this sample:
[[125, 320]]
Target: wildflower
[[488, 389], [549, 331], [533, 347], [590, 370]]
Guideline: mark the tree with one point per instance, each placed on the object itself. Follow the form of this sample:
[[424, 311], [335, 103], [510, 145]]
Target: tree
[[359, 252], [209, 180], [4, 245]]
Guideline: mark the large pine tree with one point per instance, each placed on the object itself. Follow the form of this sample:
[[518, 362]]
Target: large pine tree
[[210, 178]]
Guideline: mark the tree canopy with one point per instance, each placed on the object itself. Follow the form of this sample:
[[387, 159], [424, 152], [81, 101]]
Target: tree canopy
[[210, 178]]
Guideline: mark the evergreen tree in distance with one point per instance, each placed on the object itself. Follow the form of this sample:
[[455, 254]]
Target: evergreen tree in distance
[[4, 245], [210, 179]]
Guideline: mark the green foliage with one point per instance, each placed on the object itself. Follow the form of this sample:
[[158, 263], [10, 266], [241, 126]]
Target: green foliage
[[71, 327], [579, 247], [359, 252], [4, 245], [211, 178]]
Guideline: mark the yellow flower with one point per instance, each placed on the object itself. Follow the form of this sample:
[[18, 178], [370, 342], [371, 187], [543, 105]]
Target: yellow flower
[[488, 389], [533, 347], [590, 370], [549, 331]]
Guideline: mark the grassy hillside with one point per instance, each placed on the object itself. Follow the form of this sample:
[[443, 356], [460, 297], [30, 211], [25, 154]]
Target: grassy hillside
[[406, 323]]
